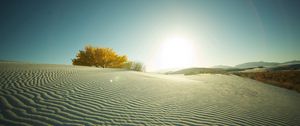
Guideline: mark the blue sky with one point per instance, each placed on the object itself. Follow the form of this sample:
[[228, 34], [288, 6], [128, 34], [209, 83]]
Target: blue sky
[[226, 32]]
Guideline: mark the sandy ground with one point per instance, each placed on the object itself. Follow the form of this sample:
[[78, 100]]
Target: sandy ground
[[34, 94]]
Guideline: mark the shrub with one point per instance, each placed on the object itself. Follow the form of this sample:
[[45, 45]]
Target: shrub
[[99, 57], [136, 66]]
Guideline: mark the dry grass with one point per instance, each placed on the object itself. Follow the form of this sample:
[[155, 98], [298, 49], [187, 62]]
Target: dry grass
[[286, 79]]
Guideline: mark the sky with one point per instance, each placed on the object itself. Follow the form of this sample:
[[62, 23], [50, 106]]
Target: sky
[[223, 32]]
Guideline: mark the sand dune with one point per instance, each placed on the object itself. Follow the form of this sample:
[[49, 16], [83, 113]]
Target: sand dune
[[33, 94]]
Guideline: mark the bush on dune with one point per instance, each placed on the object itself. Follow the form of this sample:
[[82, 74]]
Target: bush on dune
[[99, 57], [135, 66]]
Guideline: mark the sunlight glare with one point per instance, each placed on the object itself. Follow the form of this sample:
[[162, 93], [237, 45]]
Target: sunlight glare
[[176, 52]]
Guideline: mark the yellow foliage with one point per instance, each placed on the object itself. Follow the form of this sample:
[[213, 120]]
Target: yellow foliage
[[99, 57]]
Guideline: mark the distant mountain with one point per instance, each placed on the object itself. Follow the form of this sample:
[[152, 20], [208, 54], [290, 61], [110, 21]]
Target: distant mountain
[[6, 60], [192, 71], [163, 71], [257, 64], [292, 62], [294, 66], [265, 64], [10, 61], [246, 67], [222, 66]]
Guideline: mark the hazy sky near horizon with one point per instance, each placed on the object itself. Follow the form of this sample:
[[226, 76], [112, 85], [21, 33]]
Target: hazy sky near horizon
[[225, 32]]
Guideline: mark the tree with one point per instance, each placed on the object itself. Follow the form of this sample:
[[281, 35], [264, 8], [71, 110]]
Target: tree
[[99, 57]]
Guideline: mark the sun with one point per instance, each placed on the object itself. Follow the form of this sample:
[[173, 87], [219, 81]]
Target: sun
[[176, 52]]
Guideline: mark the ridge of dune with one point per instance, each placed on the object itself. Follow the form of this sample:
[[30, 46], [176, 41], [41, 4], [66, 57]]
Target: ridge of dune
[[37, 94]]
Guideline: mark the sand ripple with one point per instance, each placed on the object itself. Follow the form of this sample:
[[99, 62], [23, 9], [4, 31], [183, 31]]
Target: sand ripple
[[33, 94]]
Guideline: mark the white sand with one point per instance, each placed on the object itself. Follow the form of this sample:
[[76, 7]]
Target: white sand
[[67, 95]]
